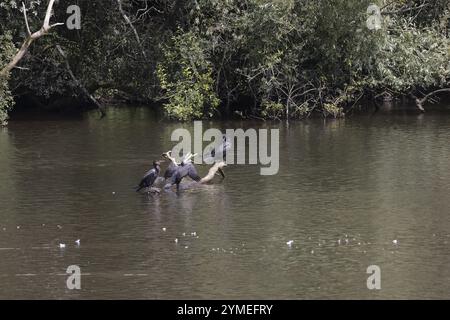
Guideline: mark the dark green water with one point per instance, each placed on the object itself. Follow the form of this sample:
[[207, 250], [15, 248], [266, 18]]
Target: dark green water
[[345, 190]]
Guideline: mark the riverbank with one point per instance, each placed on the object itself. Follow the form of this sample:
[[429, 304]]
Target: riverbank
[[24, 112]]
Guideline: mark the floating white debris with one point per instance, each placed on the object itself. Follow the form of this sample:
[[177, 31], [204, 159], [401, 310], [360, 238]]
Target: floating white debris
[[78, 242], [62, 245], [184, 234], [176, 240], [290, 243], [346, 241], [312, 251], [194, 234], [18, 227], [164, 229], [339, 241], [59, 227], [186, 247], [113, 192], [395, 242]]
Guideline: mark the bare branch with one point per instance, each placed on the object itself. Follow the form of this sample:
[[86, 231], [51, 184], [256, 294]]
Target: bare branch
[[56, 24], [30, 38], [406, 9], [79, 84], [48, 14], [420, 102], [128, 21], [26, 19]]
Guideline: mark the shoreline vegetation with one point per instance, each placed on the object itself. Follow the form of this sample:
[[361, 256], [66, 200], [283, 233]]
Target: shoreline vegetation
[[281, 59]]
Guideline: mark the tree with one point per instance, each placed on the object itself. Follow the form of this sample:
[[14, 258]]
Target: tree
[[31, 37]]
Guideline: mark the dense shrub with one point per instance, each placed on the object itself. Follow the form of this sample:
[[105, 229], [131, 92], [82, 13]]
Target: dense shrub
[[268, 58], [6, 100]]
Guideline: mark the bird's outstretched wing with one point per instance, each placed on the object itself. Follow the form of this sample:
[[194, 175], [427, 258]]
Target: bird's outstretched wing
[[192, 172], [181, 172], [171, 169], [219, 152]]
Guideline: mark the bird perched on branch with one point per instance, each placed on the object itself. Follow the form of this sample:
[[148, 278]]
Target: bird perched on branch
[[150, 177], [175, 173], [219, 153], [172, 166]]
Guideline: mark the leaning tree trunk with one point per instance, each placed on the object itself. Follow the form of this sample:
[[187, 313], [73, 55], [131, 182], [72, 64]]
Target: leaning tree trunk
[[79, 84], [212, 172], [31, 37]]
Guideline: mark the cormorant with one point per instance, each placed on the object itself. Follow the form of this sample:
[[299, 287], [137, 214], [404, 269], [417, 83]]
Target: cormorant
[[186, 168], [220, 151], [150, 177], [172, 166]]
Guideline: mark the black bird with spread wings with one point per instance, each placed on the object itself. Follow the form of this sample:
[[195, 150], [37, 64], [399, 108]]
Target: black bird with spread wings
[[175, 173], [172, 166], [182, 171]]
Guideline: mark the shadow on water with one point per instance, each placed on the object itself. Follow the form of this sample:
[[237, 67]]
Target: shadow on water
[[345, 191]]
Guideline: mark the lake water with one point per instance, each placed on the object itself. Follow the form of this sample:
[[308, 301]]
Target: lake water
[[345, 191]]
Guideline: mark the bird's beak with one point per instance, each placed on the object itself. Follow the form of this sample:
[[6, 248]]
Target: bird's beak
[[166, 154]]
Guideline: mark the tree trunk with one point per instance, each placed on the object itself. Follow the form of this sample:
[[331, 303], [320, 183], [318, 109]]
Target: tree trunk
[[79, 84], [212, 172], [46, 27]]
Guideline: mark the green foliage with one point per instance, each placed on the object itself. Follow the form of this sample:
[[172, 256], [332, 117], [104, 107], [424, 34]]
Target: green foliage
[[271, 109], [411, 57], [185, 75], [6, 101], [284, 58]]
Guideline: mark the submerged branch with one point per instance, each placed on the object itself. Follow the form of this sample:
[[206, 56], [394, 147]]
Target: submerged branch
[[212, 172], [420, 102]]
